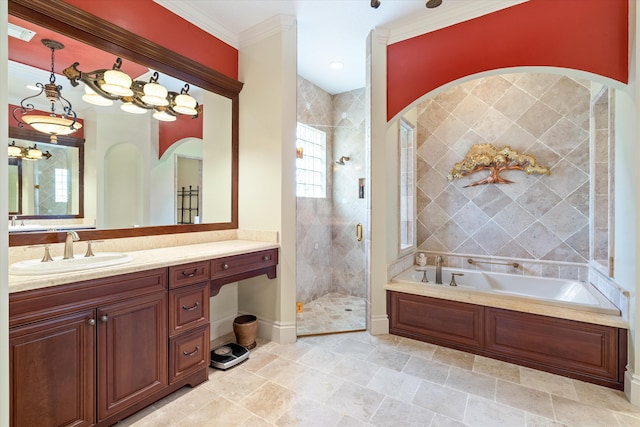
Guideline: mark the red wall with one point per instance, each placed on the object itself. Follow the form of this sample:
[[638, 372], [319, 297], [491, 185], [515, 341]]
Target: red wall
[[183, 127], [153, 22], [587, 35]]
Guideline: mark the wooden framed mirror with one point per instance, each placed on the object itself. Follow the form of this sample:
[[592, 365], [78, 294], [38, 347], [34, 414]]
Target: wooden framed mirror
[[69, 21]]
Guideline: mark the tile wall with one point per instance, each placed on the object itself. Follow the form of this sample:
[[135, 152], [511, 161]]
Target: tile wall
[[329, 257], [537, 218]]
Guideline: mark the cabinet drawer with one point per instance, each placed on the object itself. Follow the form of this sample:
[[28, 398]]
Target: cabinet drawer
[[188, 274], [239, 264], [189, 353], [188, 307]]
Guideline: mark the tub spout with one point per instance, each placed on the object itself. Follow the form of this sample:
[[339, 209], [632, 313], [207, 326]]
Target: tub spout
[[438, 270]]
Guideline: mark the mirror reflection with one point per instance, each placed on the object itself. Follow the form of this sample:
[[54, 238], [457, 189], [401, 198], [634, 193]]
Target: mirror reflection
[[47, 183], [135, 173]]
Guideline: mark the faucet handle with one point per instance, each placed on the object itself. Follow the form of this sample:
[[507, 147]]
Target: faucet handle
[[453, 278], [47, 254], [89, 252]]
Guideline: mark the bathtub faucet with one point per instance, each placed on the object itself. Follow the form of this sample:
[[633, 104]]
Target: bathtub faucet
[[438, 270]]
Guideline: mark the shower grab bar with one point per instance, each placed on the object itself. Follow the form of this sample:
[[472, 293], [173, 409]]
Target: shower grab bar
[[512, 264]]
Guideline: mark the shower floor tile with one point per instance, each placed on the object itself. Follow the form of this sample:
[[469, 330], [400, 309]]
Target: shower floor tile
[[333, 312]]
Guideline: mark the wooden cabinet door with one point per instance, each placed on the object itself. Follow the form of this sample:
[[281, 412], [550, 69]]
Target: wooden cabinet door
[[52, 372], [450, 323], [132, 352]]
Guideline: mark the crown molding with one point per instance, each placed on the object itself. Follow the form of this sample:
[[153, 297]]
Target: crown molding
[[274, 25], [448, 18], [185, 11]]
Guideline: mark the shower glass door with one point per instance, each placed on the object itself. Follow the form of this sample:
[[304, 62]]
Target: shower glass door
[[331, 212]]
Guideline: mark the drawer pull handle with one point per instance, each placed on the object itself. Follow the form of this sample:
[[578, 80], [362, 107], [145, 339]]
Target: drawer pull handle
[[266, 257], [225, 266], [196, 305], [186, 353], [193, 273]]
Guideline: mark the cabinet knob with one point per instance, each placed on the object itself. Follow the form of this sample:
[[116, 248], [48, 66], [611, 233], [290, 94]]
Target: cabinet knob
[[91, 322], [225, 266], [266, 257], [104, 318], [186, 353]]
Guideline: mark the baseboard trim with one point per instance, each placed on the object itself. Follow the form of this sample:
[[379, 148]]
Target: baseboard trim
[[379, 324], [632, 387], [221, 327]]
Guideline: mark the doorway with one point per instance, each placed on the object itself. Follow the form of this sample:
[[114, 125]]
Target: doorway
[[331, 211]]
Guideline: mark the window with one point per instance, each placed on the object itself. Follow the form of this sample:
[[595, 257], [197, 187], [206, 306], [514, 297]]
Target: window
[[406, 152], [311, 162], [62, 185]]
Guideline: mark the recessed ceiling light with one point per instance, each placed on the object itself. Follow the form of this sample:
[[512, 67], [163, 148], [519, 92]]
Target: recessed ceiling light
[[336, 65]]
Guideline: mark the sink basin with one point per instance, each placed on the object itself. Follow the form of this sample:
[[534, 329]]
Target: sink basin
[[35, 267]]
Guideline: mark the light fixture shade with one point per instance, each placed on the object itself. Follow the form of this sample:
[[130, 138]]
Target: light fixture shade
[[92, 97], [33, 153], [132, 108], [117, 83], [14, 151], [185, 104], [155, 94], [164, 116], [52, 125]]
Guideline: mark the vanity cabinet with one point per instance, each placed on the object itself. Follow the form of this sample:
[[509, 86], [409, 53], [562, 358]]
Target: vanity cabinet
[[585, 351], [238, 267], [84, 352], [53, 371], [94, 352], [188, 320]]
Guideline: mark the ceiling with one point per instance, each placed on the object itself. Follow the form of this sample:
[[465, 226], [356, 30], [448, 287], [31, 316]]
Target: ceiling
[[328, 30]]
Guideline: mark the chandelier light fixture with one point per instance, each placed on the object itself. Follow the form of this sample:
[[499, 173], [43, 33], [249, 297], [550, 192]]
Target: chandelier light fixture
[[430, 4], [104, 86], [52, 124], [29, 153]]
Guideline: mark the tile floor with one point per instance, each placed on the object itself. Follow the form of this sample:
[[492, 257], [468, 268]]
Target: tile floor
[[355, 379], [333, 312]]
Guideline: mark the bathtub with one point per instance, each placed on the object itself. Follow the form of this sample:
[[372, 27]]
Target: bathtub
[[538, 290]]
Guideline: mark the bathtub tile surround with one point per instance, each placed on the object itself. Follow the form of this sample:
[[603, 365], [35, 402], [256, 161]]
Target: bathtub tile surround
[[536, 217], [329, 258], [357, 388]]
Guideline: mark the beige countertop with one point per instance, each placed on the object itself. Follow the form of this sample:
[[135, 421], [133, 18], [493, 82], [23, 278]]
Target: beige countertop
[[143, 260], [461, 295]]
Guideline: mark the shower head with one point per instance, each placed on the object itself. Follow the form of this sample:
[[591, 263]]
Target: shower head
[[343, 159]]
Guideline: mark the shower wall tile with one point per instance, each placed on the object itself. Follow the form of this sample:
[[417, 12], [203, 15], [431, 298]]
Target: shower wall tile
[[330, 259], [539, 218]]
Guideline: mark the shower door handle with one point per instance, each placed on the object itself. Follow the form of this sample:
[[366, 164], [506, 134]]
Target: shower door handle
[[359, 232]]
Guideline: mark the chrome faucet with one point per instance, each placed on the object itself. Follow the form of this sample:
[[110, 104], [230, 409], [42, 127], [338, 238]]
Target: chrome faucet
[[438, 270], [72, 236], [13, 220]]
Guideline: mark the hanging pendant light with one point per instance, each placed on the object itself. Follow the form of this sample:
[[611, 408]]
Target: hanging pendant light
[[51, 124]]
